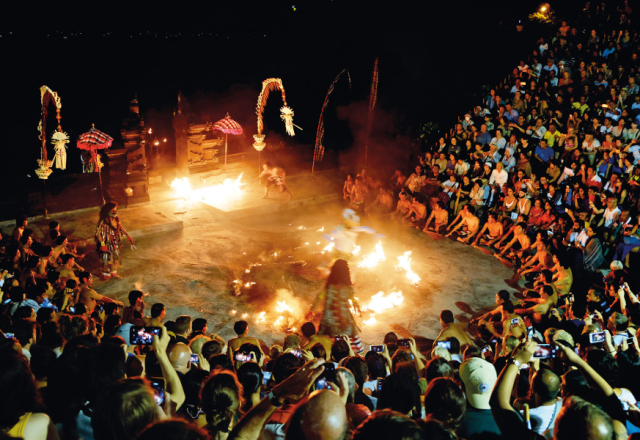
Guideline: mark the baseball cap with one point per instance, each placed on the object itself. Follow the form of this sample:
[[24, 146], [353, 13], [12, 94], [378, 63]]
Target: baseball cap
[[479, 378], [441, 352], [124, 331]]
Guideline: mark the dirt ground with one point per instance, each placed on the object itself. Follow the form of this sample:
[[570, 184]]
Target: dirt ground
[[274, 257]]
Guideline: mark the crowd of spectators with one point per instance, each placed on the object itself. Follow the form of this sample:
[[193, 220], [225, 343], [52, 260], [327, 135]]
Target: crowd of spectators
[[544, 173]]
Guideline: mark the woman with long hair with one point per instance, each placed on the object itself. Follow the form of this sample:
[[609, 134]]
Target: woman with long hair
[[108, 236], [221, 400], [337, 319]]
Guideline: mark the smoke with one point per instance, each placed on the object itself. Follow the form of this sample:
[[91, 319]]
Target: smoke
[[387, 151]]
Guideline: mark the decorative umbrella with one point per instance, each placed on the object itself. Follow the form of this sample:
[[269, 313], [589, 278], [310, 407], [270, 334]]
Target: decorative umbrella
[[227, 125], [92, 141]]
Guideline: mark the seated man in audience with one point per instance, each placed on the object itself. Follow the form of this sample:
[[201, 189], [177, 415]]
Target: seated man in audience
[[478, 378], [135, 309], [440, 218], [493, 229], [416, 215], [451, 329], [242, 330], [90, 297], [403, 207], [309, 331], [469, 224], [158, 313], [66, 270], [182, 328]]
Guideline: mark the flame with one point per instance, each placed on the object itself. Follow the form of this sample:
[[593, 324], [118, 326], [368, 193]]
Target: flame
[[233, 312], [352, 308], [249, 284], [329, 247], [379, 303], [302, 227], [283, 307], [370, 321], [356, 250], [404, 262], [218, 195], [372, 259], [321, 229], [261, 317], [278, 321], [245, 315]]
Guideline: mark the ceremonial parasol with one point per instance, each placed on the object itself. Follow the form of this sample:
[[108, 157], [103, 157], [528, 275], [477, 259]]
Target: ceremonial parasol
[[227, 125], [92, 141]]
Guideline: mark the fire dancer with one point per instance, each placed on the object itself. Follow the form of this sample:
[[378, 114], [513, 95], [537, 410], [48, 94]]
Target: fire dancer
[[108, 238], [337, 295], [275, 176]]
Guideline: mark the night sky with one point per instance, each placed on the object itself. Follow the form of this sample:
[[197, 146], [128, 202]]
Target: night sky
[[434, 57]]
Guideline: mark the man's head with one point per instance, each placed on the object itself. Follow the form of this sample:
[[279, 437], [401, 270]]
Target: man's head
[[479, 377], [180, 357], [241, 328], [339, 350], [86, 278], [308, 329], [183, 325], [581, 419], [322, 416], [291, 341], [199, 325], [158, 311], [359, 369], [446, 318], [135, 297], [546, 386], [617, 322]]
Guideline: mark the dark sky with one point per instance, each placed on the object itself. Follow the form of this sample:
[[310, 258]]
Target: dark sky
[[433, 58]]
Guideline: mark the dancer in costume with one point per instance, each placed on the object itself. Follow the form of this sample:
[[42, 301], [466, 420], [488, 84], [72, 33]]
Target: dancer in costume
[[337, 294], [109, 232], [275, 176]]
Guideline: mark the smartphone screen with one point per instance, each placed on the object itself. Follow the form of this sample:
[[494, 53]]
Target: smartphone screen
[[545, 351], [266, 377], [403, 343], [328, 375], [377, 348], [143, 335], [380, 383], [486, 349], [9, 335], [157, 383], [597, 337], [444, 344], [514, 321], [194, 359], [296, 352], [242, 357]]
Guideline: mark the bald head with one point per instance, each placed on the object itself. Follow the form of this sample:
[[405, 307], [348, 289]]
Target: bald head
[[581, 419], [180, 356], [321, 417], [546, 386]]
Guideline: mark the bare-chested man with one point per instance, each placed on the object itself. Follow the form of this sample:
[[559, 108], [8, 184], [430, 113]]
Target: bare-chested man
[[510, 323], [541, 260], [451, 329], [416, 215], [90, 297], [547, 301], [242, 330], [357, 194], [523, 240], [61, 248], [382, 205], [470, 224], [403, 207], [440, 216], [490, 233], [275, 177], [66, 270]]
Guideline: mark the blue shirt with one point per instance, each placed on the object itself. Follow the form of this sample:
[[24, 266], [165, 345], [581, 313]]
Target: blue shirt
[[512, 116], [484, 138], [546, 154]]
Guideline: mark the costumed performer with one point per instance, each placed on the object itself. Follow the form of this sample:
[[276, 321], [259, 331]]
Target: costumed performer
[[337, 319], [109, 232]]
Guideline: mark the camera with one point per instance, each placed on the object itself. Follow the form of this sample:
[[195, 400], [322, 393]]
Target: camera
[[143, 335], [404, 343], [377, 348]]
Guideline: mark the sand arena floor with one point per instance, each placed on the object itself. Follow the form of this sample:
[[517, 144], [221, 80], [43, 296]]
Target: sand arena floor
[[274, 257]]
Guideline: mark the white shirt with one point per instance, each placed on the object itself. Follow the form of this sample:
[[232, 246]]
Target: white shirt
[[611, 216], [499, 142], [499, 177]]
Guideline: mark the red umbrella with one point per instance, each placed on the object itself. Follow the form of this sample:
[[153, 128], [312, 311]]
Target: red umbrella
[[94, 140], [91, 141], [227, 126]]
